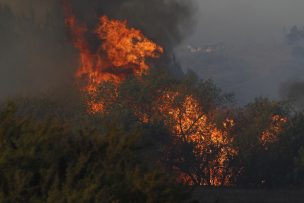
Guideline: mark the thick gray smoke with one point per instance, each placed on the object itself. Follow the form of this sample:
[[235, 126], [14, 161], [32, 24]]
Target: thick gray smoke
[[165, 21], [36, 54], [293, 92], [241, 44]]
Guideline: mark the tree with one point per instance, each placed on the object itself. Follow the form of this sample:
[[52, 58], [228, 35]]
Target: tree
[[200, 148], [47, 160], [260, 141]]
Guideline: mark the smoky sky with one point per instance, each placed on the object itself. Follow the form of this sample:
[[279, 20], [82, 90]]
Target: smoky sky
[[293, 91], [34, 55], [37, 53], [165, 21], [257, 60], [246, 20]]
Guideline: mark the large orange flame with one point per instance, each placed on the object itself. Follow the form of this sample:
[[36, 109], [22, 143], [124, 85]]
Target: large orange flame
[[123, 51]]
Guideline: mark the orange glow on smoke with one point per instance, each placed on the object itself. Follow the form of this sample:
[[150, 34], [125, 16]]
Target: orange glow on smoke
[[123, 51]]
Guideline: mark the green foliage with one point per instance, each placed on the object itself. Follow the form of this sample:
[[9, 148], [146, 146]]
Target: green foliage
[[47, 160], [54, 151], [276, 164]]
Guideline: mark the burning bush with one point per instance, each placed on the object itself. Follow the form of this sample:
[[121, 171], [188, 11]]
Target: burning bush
[[135, 133], [123, 53], [188, 108]]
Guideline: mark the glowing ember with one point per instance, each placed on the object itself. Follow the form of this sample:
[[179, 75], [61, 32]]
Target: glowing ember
[[270, 135], [123, 52]]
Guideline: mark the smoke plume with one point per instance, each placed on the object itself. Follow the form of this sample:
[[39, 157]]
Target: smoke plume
[[37, 54], [294, 92], [164, 21]]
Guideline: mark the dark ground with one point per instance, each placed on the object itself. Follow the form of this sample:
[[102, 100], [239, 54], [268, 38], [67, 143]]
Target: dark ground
[[249, 196]]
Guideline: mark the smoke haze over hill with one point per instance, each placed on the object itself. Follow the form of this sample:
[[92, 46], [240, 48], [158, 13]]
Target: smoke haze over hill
[[255, 58]]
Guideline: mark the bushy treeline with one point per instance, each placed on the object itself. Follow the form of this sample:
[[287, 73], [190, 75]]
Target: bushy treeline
[[276, 164], [48, 160], [267, 136], [56, 151]]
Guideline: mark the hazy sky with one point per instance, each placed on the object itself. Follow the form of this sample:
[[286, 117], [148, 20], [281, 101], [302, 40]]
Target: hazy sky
[[223, 20], [253, 33], [40, 7], [234, 20]]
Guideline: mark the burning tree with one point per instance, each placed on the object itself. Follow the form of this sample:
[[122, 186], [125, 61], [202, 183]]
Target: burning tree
[[261, 140], [142, 126], [211, 146], [202, 147], [123, 53]]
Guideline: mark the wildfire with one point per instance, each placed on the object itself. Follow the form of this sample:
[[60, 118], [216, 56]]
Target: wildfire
[[123, 51], [190, 123], [270, 135]]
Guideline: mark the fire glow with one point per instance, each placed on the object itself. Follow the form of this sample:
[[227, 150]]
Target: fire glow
[[270, 135], [124, 51], [189, 123]]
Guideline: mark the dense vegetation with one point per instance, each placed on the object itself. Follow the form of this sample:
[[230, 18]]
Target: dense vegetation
[[55, 151], [48, 160]]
